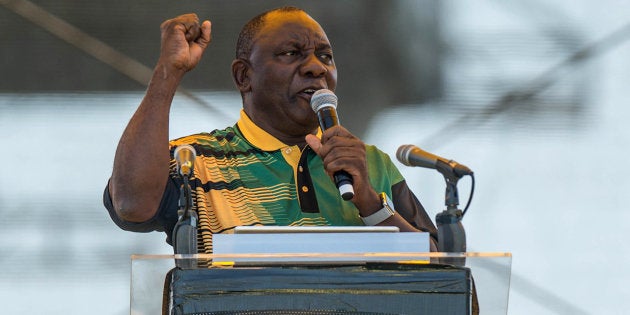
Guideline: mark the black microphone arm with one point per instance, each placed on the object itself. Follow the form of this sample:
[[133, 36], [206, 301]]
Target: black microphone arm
[[324, 103], [185, 230]]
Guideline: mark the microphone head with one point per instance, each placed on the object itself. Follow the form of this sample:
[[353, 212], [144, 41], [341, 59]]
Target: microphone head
[[323, 98], [411, 155], [402, 154], [185, 155]]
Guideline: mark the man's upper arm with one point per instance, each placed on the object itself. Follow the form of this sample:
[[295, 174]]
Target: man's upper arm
[[163, 220]]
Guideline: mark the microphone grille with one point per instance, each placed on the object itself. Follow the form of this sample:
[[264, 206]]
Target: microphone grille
[[185, 155], [188, 147], [402, 154], [324, 98]]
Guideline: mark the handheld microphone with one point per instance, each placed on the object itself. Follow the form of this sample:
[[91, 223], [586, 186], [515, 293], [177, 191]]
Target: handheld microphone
[[411, 155], [324, 103], [185, 157]]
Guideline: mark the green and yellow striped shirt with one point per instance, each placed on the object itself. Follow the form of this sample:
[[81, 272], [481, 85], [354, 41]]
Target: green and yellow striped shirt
[[245, 176]]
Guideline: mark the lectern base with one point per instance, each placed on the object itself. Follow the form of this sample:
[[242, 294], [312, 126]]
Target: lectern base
[[380, 288]]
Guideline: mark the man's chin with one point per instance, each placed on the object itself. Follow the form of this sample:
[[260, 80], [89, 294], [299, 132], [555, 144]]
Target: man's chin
[[304, 101]]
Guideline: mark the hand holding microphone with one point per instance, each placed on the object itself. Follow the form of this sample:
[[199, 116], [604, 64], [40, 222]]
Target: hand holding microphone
[[324, 103]]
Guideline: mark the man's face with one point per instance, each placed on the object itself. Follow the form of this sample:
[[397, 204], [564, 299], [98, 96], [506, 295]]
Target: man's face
[[291, 58]]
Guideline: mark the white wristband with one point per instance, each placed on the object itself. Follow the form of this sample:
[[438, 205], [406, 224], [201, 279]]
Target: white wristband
[[381, 215]]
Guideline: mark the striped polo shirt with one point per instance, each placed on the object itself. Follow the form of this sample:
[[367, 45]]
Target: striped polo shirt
[[245, 176]]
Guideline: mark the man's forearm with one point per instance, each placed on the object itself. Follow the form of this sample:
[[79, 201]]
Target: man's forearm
[[141, 164]]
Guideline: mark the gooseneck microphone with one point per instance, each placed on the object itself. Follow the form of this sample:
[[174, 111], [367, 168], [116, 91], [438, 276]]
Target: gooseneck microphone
[[185, 230], [451, 234], [324, 103], [411, 155]]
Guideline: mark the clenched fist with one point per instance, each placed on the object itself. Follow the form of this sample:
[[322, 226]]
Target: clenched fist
[[183, 42]]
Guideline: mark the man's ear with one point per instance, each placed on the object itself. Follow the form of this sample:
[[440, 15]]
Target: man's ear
[[240, 74]]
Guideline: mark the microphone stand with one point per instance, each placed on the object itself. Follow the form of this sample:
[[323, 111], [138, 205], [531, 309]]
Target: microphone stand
[[451, 234], [185, 230]]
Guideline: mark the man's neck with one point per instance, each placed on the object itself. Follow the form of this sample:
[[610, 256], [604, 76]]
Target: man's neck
[[255, 131]]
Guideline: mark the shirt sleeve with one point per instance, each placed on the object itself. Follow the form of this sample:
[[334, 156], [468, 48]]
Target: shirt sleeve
[[410, 208], [386, 176], [164, 219]]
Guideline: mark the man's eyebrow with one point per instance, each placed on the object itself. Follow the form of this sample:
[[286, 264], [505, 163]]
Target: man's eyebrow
[[324, 46], [296, 40], [291, 42], [323, 43]]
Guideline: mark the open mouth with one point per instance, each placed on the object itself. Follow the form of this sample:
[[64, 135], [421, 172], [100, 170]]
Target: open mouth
[[307, 93]]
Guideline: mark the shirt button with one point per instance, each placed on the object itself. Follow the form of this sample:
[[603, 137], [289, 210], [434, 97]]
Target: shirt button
[[300, 168], [288, 150], [304, 189]]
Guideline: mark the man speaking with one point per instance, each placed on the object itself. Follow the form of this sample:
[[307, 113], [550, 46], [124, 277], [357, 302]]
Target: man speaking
[[275, 166]]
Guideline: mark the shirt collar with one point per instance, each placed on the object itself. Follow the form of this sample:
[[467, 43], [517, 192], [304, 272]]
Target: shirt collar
[[260, 138]]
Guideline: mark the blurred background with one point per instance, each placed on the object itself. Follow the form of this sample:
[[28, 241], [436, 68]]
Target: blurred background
[[531, 95]]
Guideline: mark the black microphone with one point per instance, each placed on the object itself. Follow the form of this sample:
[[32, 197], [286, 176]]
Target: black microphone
[[324, 103], [411, 155], [185, 157]]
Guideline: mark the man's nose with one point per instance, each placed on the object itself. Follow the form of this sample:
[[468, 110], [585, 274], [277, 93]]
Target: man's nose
[[313, 66]]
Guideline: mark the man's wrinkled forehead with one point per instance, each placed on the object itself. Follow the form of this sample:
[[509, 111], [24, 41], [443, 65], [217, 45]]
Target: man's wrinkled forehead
[[292, 25]]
